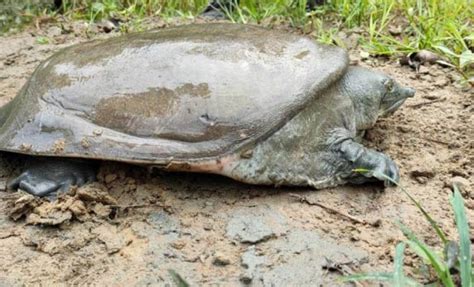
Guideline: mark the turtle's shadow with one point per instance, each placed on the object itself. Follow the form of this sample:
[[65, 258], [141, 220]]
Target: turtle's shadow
[[186, 185]]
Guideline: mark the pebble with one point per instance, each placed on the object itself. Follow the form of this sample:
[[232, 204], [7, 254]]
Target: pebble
[[101, 210], [462, 183], [421, 179], [110, 178], [178, 244], [106, 26], [54, 31], [220, 259], [395, 31], [423, 171], [364, 55]]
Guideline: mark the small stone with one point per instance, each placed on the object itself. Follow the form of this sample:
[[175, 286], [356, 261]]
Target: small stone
[[405, 129], [461, 182], [186, 222], [110, 178], [101, 210], [54, 31], [421, 179], [424, 171], [246, 277], [178, 244], [376, 223], [97, 132], [207, 226], [220, 259], [364, 55], [395, 31], [106, 26]]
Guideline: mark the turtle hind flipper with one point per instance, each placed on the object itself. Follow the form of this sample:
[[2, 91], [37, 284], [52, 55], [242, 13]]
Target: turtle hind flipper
[[47, 176]]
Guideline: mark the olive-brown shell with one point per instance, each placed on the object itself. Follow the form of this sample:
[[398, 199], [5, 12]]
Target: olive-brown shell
[[185, 93]]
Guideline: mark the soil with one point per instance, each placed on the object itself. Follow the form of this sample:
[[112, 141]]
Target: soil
[[135, 225]]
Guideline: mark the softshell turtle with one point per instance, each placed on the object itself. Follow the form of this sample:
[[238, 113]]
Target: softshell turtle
[[257, 105]]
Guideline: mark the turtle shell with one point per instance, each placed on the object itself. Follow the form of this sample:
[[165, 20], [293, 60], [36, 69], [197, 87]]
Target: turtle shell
[[185, 93]]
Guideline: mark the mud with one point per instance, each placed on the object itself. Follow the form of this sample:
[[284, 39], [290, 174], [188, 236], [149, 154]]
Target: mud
[[134, 225]]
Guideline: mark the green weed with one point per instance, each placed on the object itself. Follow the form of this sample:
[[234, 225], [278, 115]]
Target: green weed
[[178, 279], [453, 256]]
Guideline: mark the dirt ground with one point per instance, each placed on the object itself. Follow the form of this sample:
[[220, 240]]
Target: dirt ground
[[134, 225]]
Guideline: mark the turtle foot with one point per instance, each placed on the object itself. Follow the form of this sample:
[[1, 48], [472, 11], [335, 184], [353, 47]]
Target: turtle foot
[[47, 177], [376, 165], [379, 167]]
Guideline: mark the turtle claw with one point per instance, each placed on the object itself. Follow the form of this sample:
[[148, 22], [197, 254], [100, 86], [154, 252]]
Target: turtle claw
[[45, 178], [378, 166], [386, 170]]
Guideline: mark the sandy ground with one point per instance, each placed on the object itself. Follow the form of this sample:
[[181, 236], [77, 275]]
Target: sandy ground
[[134, 225]]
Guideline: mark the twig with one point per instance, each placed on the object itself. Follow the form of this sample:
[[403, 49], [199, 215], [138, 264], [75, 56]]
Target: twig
[[139, 206], [427, 103], [9, 234], [435, 140], [330, 209]]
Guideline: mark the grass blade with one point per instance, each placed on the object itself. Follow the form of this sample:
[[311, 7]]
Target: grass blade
[[178, 280], [426, 252], [432, 222], [398, 275], [377, 276], [465, 258]]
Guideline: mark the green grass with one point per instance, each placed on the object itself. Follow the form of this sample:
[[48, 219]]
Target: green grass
[[451, 256], [441, 26]]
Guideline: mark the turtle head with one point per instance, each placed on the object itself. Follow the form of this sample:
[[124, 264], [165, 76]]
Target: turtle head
[[373, 95], [395, 95]]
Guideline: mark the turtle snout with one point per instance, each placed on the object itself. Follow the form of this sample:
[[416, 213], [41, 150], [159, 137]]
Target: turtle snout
[[409, 92]]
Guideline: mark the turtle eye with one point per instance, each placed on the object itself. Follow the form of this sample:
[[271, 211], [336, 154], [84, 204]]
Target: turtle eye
[[388, 83]]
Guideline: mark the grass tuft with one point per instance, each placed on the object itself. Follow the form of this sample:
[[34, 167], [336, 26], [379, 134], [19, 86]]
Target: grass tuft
[[457, 256], [386, 27]]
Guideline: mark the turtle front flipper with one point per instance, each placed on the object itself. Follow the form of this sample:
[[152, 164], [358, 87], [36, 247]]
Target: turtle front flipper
[[378, 164], [45, 177]]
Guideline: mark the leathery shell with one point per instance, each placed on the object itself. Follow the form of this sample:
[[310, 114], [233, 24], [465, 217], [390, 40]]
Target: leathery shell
[[184, 94]]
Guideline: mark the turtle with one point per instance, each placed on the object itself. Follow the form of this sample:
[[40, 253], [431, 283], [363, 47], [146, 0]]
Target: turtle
[[258, 105]]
